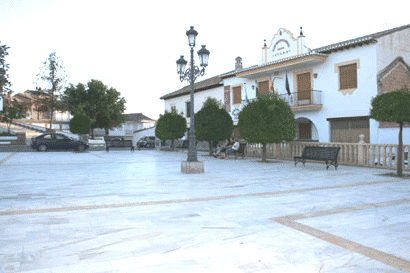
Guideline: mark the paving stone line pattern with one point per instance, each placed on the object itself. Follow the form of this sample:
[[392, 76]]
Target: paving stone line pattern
[[372, 253], [162, 202], [7, 158]]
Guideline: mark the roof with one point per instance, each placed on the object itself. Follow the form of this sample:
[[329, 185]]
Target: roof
[[23, 97], [372, 38], [229, 74], [312, 53], [138, 117], [199, 86], [387, 69]]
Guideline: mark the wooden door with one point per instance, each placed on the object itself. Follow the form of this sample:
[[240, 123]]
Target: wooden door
[[304, 87], [305, 131]]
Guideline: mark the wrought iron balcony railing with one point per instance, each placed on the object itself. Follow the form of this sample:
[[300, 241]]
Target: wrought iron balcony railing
[[303, 98]]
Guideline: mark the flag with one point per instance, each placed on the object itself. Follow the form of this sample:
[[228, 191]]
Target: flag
[[287, 84]]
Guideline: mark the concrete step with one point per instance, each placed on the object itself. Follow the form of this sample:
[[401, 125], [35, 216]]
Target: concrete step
[[18, 129]]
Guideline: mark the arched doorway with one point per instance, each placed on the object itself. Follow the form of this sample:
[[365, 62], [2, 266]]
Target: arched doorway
[[306, 130]]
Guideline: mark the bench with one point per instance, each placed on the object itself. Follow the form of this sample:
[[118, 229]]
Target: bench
[[241, 151], [327, 154], [118, 144], [183, 144]]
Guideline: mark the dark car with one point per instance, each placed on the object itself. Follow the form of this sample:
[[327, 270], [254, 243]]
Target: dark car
[[146, 142], [57, 141]]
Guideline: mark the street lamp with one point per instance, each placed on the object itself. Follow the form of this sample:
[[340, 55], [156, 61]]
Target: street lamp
[[190, 75]]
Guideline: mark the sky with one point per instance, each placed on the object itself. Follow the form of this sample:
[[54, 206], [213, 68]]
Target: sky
[[133, 45]]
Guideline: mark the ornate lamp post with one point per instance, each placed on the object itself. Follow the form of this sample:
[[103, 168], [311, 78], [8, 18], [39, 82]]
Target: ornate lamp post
[[190, 75]]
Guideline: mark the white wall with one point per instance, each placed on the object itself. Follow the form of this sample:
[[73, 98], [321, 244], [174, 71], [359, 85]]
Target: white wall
[[391, 136], [335, 103], [147, 132], [129, 127], [391, 46], [200, 97]]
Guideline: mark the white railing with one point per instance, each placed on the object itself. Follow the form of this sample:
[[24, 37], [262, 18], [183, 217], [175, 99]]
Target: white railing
[[356, 154]]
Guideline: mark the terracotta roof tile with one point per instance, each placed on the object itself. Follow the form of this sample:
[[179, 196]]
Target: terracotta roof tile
[[199, 86], [138, 117]]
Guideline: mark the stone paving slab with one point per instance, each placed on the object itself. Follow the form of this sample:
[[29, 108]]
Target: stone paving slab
[[136, 212]]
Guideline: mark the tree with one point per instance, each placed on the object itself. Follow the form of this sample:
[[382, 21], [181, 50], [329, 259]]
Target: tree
[[213, 123], [171, 126], [268, 119], [393, 107], [11, 113], [104, 106], [4, 67], [80, 124], [52, 76]]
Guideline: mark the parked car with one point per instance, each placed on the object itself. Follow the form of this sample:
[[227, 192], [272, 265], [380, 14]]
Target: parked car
[[146, 142], [57, 141]]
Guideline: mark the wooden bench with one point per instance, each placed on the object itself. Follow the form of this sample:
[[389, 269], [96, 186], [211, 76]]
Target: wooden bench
[[316, 153], [118, 144]]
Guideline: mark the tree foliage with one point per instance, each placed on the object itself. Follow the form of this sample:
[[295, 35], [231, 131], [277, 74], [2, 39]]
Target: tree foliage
[[104, 106], [80, 124], [51, 80], [10, 113], [171, 126], [393, 107], [213, 123], [4, 67], [267, 120]]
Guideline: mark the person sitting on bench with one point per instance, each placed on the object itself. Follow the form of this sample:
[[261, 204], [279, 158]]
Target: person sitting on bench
[[227, 144], [235, 147]]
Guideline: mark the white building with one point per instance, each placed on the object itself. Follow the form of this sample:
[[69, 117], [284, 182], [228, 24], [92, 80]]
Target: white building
[[330, 88], [134, 122]]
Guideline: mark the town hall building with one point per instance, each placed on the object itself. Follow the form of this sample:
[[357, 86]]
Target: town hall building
[[329, 89]]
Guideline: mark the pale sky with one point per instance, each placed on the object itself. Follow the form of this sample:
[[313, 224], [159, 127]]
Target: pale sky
[[133, 45]]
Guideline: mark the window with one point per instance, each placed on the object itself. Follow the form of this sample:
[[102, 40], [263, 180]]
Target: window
[[188, 109], [60, 137], [348, 76], [237, 95]]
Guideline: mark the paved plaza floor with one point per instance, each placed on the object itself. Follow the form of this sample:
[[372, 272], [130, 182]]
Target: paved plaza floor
[[125, 211]]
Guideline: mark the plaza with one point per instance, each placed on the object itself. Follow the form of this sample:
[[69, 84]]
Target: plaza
[[128, 211]]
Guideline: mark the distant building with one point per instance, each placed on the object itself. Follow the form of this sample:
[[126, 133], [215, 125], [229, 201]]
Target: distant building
[[134, 122], [35, 110], [329, 89]]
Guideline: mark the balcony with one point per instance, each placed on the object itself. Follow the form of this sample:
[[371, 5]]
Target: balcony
[[304, 101]]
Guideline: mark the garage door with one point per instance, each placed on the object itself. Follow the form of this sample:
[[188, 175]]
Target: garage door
[[349, 129]]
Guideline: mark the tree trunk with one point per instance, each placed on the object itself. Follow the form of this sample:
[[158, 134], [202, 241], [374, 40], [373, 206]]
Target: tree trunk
[[8, 126], [92, 132], [211, 150], [264, 152], [51, 120], [400, 152], [172, 144]]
